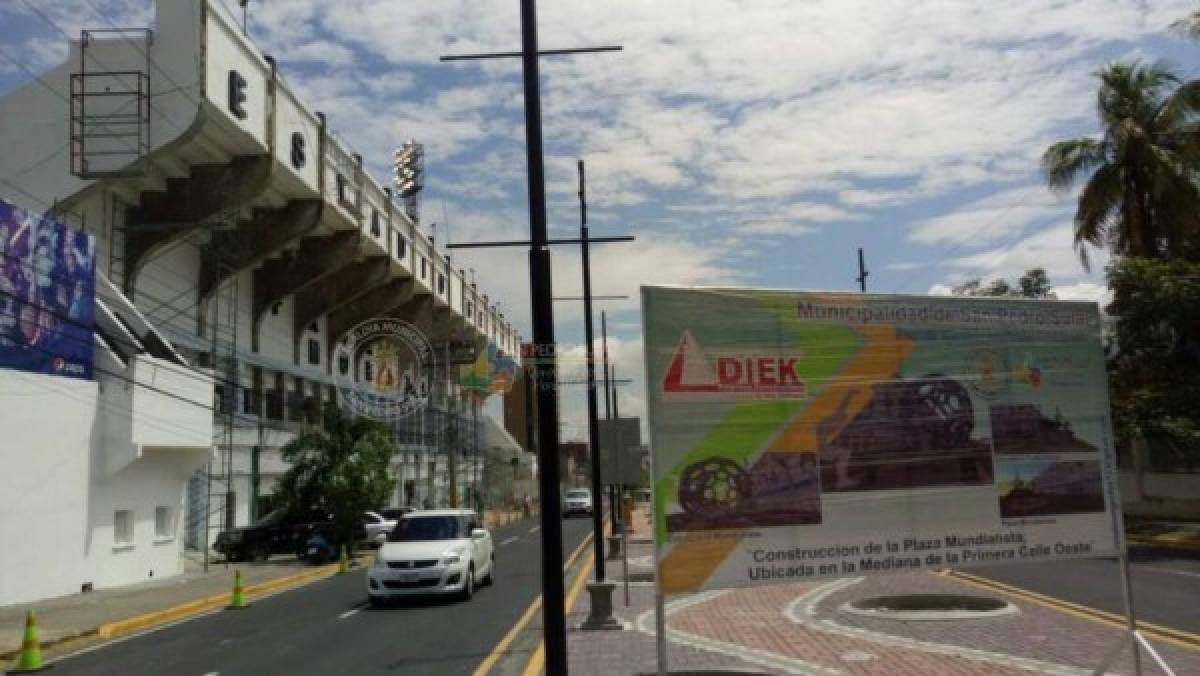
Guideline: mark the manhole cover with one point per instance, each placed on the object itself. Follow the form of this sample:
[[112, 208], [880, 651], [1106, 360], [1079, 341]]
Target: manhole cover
[[930, 607]]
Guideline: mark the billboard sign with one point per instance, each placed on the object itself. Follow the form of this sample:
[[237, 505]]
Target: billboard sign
[[799, 435], [621, 451], [47, 290]]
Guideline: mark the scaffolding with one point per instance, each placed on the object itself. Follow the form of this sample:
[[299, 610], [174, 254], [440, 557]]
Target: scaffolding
[[110, 112]]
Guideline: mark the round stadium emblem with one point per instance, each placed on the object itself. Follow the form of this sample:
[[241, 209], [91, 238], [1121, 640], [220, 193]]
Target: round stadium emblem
[[384, 369]]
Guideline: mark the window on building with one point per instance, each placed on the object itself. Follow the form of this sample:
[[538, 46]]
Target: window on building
[[163, 528], [424, 267], [401, 246], [275, 309], [314, 351], [441, 283], [376, 230], [223, 397], [274, 401], [123, 528], [314, 328], [250, 401]]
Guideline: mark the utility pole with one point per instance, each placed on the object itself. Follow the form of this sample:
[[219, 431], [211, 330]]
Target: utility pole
[[862, 272], [593, 423], [553, 596], [542, 310]]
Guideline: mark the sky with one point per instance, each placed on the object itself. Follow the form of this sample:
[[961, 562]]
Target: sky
[[744, 143]]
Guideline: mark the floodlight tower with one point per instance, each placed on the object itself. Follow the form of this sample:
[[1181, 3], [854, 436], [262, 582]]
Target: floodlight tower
[[409, 167]]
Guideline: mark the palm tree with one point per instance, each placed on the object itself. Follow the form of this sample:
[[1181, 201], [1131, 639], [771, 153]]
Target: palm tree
[[1188, 26], [1140, 198]]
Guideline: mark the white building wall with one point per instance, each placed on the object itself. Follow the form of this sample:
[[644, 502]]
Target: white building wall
[[45, 483], [157, 479], [166, 286]]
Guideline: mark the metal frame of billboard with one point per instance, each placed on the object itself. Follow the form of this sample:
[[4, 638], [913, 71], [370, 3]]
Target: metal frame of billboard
[[1136, 638]]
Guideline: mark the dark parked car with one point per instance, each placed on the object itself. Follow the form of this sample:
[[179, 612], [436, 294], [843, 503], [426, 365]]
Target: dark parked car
[[279, 532]]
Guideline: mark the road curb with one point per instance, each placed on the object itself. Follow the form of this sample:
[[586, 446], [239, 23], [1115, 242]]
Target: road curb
[[207, 603], [187, 609]]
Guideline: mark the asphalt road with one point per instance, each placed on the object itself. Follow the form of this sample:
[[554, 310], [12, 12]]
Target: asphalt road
[[328, 628], [1165, 584]]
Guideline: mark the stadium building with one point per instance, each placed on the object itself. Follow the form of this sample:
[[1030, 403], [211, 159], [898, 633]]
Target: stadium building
[[234, 240]]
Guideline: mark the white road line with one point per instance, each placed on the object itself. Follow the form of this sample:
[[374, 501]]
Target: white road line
[[534, 529], [1172, 571], [352, 611], [509, 541]]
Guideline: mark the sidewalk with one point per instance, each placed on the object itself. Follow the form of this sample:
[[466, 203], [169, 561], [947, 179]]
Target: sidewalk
[[800, 629], [111, 612]]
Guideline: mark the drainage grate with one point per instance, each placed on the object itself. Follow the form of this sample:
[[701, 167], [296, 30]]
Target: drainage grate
[[930, 607]]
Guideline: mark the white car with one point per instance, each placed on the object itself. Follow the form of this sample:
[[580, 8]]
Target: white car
[[577, 501], [443, 551], [377, 527]]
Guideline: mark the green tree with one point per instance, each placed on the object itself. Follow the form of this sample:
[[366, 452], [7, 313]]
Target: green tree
[[1154, 368], [1139, 197], [343, 467], [1033, 284]]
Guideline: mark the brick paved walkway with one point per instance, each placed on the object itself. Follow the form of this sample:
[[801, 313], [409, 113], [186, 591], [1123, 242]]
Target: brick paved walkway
[[800, 629]]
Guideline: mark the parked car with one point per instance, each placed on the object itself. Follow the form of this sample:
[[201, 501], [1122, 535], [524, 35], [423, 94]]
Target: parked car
[[395, 513], [433, 552], [279, 532], [376, 527], [577, 501]]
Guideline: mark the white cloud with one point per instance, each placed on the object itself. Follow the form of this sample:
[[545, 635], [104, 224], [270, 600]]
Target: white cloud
[[1000, 215], [1085, 291], [787, 228], [1050, 248]]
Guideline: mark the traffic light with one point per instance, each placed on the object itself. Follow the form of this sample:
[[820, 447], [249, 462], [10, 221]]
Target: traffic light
[[408, 166]]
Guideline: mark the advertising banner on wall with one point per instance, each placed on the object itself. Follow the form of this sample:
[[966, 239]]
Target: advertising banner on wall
[[491, 372], [800, 435], [47, 286]]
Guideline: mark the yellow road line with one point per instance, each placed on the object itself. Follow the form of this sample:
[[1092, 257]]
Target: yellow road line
[[1175, 637], [205, 604], [498, 652], [511, 636], [1168, 541], [537, 661]]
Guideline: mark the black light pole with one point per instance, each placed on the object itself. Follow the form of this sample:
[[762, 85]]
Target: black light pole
[[542, 309], [541, 297], [593, 423]]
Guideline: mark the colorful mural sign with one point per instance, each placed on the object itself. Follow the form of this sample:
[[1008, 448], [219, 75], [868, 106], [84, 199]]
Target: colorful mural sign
[[492, 372], [47, 289], [800, 435]]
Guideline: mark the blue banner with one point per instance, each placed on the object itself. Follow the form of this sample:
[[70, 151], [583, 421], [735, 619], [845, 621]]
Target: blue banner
[[47, 289]]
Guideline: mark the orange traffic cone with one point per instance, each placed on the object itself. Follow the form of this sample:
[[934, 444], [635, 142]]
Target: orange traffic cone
[[237, 601], [30, 659]]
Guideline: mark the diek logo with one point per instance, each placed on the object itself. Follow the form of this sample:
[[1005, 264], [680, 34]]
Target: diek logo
[[750, 376]]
